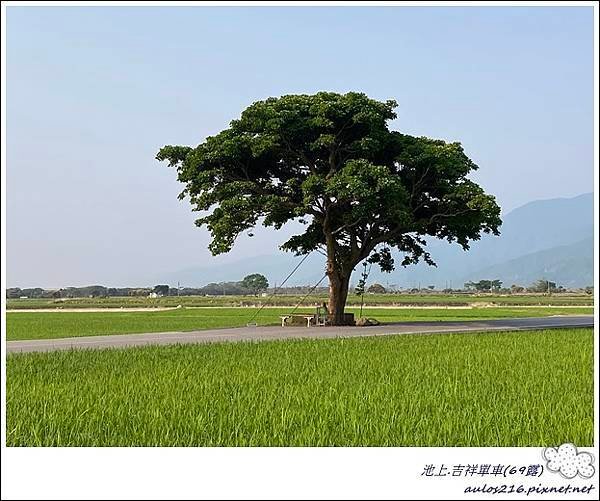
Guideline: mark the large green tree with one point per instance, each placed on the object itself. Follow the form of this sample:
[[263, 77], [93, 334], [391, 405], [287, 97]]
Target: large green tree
[[255, 283], [331, 162]]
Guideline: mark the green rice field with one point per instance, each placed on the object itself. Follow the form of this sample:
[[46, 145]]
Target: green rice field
[[487, 389], [402, 299], [44, 325]]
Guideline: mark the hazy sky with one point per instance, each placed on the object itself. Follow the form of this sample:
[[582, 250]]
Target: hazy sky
[[93, 93]]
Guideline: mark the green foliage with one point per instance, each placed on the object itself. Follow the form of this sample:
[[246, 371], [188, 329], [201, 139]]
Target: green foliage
[[331, 161], [484, 285], [255, 283], [162, 290], [376, 289], [543, 286], [472, 390], [359, 290]]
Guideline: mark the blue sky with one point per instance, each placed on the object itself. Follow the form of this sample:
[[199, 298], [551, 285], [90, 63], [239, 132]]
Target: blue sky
[[93, 93]]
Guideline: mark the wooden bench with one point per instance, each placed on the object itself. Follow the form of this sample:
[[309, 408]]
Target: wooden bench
[[309, 318]]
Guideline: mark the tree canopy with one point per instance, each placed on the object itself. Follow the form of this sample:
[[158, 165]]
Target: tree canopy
[[331, 162], [484, 285], [544, 285], [376, 289], [255, 283]]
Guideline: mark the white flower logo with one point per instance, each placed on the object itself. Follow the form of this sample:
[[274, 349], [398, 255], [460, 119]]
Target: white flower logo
[[568, 462]]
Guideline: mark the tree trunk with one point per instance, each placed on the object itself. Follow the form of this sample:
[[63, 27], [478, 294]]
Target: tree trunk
[[339, 280], [338, 293]]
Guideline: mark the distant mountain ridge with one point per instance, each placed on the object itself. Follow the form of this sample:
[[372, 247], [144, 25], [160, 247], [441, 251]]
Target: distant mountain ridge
[[568, 265], [552, 239]]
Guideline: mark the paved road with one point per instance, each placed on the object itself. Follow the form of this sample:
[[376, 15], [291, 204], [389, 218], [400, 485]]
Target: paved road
[[272, 333]]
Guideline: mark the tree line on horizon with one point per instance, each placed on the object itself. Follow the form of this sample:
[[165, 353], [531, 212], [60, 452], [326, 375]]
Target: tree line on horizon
[[256, 283]]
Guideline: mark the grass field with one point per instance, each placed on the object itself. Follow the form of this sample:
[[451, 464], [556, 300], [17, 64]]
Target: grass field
[[287, 300], [488, 389], [25, 325]]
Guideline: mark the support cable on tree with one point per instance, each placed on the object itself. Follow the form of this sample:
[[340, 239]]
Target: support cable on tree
[[269, 299]]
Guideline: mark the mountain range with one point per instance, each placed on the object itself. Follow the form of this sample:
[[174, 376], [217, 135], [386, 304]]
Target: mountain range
[[551, 239]]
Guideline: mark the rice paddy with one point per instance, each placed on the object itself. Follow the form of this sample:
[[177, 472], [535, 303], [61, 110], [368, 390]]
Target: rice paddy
[[488, 389], [398, 299]]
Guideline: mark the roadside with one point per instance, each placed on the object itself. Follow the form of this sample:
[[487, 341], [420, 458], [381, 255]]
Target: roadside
[[280, 333]]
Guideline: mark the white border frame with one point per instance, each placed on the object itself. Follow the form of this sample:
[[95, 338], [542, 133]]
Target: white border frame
[[258, 473]]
